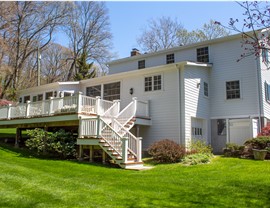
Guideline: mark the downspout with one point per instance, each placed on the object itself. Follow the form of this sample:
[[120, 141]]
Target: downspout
[[259, 93], [181, 113]]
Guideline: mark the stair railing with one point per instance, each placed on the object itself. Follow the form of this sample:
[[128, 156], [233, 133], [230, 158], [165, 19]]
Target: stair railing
[[127, 113]]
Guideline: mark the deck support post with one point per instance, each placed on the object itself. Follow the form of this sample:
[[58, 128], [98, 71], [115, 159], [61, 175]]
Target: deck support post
[[103, 157], [139, 149], [124, 149], [80, 152], [18, 137], [91, 153]]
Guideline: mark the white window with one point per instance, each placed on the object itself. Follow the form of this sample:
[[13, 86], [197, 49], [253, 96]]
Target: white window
[[267, 92], [265, 56], [153, 83], [111, 91], [233, 90], [205, 89], [170, 58], [93, 91], [203, 55]]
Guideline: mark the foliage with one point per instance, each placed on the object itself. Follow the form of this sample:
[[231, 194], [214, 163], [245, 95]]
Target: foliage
[[166, 151], [60, 143], [164, 33], [265, 131], [256, 16], [260, 142], [199, 146], [51, 183], [233, 150], [84, 69], [197, 158]]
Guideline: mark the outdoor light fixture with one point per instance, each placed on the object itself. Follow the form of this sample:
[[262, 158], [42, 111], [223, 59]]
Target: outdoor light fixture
[[131, 91]]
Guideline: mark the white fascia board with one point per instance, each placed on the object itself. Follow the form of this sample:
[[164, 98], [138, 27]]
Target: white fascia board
[[235, 117]]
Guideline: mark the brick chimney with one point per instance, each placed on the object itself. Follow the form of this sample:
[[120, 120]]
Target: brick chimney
[[135, 52]]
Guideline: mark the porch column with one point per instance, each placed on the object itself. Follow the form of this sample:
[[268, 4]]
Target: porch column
[[137, 130], [91, 153], [79, 107]]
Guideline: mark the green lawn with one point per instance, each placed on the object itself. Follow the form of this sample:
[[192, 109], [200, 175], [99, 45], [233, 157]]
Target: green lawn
[[32, 182]]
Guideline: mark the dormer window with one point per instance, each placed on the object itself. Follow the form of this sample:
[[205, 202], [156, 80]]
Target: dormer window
[[170, 58], [203, 55], [141, 64]]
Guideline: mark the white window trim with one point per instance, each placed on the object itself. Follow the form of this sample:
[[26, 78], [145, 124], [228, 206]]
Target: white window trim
[[225, 90], [152, 75]]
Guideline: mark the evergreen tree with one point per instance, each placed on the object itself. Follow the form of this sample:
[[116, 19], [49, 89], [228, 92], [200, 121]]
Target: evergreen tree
[[84, 70]]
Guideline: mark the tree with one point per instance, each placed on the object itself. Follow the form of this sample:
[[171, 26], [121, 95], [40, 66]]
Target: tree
[[88, 31], [55, 63], [165, 33], [23, 27], [161, 33], [84, 69], [256, 17]]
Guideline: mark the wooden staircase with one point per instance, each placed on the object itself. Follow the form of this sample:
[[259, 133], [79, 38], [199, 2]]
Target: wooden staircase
[[115, 137]]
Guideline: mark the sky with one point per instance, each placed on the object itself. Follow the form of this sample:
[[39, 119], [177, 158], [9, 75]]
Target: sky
[[128, 18]]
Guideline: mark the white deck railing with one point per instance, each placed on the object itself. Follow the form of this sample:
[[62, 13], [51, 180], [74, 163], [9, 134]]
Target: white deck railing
[[72, 104], [127, 113]]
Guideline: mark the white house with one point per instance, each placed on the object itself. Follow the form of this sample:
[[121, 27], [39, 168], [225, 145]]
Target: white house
[[194, 91]]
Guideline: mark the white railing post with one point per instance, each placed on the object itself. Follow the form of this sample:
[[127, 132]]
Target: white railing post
[[124, 149], [79, 107], [9, 111], [139, 149], [50, 106], [117, 102], [98, 127], [135, 105], [27, 109], [98, 105]]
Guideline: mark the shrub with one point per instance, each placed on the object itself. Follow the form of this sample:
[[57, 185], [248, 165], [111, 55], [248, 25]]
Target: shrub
[[198, 158], [199, 146], [260, 142], [60, 143], [265, 131], [166, 151], [233, 150]]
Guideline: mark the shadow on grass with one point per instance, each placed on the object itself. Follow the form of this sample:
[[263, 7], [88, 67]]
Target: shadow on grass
[[26, 153]]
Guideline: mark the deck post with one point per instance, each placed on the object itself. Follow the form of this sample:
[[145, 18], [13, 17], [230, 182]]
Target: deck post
[[27, 111], [103, 157], [124, 149], [79, 107], [80, 152], [9, 111], [50, 106], [98, 127], [139, 149], [98, 105], [91, 153], [18, 137]]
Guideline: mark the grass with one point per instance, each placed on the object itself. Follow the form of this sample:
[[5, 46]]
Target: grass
[[27, 181]]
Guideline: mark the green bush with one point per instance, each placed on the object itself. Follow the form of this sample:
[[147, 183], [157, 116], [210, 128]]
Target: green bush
[[166, 151], [61, 144], [198, 158], [233, 150], [199, 146], [260, 142]]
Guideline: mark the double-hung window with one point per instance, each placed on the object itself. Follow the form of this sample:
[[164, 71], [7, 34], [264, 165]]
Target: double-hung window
[[233, 90], [203, 55], [265, 56], [170, 58], [153, 83], [141, 64], [267, 92], [205, 89]]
